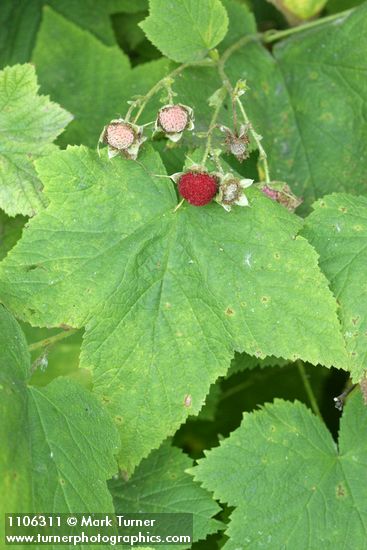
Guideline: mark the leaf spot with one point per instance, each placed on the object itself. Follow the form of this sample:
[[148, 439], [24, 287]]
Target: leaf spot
[[247, 260], [188, 400], [229, 311], [341, 491], [31, 267]]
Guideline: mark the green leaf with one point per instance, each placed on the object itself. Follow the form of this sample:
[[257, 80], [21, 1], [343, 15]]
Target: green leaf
[[89, 15], [81, 73], [50, 460], [300, 124], [140, 80], [164, 296], [127, 6], [20, 21], [338, 230], [303, 100], [15, 460], [29, 123], [160, 485], [241, 22], [243, 361], [336, 6], [291, 485], [185, 30], [10, 232], [60, 359], [129, 35]]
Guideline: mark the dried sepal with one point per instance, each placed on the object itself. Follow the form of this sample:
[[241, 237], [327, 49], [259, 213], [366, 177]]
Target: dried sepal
[[231, 191], [281, 193], [237, 144]]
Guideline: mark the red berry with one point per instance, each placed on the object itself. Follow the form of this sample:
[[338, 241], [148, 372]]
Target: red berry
[[197, 188]]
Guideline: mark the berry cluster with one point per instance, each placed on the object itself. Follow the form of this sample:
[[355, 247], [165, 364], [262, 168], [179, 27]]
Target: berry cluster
[[196, 185], [125, 138]]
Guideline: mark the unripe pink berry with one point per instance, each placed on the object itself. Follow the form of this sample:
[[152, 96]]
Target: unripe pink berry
[[173, 118], [119, 135]]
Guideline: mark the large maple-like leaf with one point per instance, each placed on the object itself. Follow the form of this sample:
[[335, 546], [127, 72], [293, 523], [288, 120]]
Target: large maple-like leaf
[[166, 297], [291, 485], [49, 459], [197, 27], [29, 123], [86, 76], [308, 101], [338, 230], [10, 232], [161, 485], [20, 21]]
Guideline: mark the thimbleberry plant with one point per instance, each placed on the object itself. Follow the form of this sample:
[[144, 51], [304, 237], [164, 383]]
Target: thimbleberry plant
[[183, 232]]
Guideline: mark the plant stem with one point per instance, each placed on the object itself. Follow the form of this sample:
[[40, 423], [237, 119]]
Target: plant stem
[[340, 399], [179, 205], [212, 127], [273, 36], [308, 389], [266, 37], [228, 85], [262, 154], [236, 46], [161, 83], [52, 339]]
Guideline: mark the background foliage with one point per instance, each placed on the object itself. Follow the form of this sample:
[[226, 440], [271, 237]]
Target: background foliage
[[124, 322]]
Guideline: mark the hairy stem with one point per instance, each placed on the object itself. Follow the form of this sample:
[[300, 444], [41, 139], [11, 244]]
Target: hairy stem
[[236, 100], [212, 126], [161, 84], [52, 339], [236, 46], [273, 36], [266, 37], [257, 139], [308, 389], [340, 399], [179, 205]]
